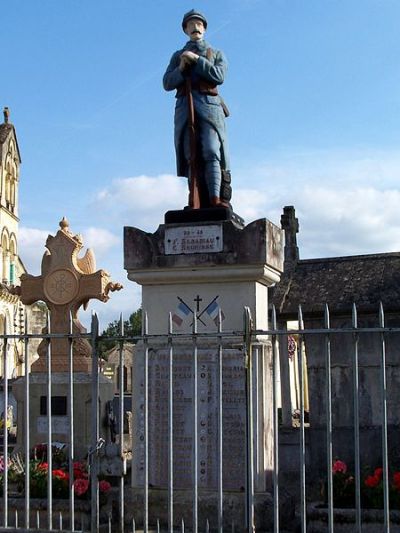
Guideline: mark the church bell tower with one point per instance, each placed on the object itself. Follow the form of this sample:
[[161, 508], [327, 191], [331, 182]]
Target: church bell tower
[[10, 161]]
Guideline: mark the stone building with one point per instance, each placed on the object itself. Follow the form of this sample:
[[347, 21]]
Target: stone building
[[11, 267], [363, 280]]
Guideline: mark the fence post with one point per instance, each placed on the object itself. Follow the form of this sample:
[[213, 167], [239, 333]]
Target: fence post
[[249, 426], [93, 457]]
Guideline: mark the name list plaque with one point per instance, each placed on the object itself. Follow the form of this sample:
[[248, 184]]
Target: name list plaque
[[233, 424], [193, 239]]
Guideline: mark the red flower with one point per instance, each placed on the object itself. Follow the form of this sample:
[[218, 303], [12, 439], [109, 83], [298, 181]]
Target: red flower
[[60, 474], [396, 480], [81, 486], [372, 481], [80, 471], [339, 467], [43, 467], [378, 472], [104, 486]]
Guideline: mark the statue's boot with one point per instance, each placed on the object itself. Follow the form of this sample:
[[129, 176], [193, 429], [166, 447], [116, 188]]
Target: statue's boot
[[217, 202]]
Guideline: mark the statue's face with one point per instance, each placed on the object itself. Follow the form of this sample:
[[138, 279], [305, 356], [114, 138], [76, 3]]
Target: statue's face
[[195, 29]]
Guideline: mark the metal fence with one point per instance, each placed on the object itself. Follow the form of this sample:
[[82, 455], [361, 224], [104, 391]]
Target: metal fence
[[277, 339]]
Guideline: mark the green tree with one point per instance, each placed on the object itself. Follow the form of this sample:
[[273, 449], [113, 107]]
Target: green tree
[[132, 328]]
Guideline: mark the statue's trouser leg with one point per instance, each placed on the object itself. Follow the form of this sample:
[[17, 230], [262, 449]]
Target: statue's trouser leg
[[186, 150], [210, 151]]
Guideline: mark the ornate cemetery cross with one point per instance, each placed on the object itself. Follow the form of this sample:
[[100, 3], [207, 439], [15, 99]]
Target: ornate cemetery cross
[[66, 283]]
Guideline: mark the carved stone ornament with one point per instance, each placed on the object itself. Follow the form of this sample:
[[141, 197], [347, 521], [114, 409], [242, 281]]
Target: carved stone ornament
[[66, 283]]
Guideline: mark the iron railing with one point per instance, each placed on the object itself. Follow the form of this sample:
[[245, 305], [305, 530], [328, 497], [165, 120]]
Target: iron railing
[[277, 339]]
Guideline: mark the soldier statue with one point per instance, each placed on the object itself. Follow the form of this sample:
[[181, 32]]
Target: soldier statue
[[201, 144]]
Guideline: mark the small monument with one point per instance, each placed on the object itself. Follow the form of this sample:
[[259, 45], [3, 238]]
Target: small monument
[[66, 283]]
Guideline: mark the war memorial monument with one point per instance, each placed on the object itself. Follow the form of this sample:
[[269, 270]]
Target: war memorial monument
[[202, 266]]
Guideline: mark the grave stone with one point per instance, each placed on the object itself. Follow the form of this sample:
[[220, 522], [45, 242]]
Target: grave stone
[[66, 283]]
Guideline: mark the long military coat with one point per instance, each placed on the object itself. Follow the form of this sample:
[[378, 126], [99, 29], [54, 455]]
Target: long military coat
[[207, 108]]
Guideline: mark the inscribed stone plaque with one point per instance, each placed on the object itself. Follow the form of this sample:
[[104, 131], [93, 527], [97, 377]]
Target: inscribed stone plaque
[[59, 424], [234, 419], [193, 240]]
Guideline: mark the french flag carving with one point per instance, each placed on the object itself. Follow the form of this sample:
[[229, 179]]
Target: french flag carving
[[213, 311], [180, 314]]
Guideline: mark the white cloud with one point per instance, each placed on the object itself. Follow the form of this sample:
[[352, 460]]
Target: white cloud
[[100, 240], [31, 244], [354, 221], [141, 200], [249, 203], [346, 201]]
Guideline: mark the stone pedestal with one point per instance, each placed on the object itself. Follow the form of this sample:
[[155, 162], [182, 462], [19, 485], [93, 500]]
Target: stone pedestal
[[204, 268], [201, 263], [60, 409]]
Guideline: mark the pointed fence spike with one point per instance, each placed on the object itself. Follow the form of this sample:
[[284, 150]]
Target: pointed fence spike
[[300, 317], [37, 519], [48, 322], [207, 526], [194, 323], [133, 526], [121, 325], [354, 316], [95, 325], [381, 316], [70, 322], [219, 321], [109, 523], [169, 323], [183, 526], [158, 525], [327, 316], [145, 323], [273, 317], [61, 521]]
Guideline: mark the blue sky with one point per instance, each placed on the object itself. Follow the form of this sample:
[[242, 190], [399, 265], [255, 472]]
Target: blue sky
[[313, 89]]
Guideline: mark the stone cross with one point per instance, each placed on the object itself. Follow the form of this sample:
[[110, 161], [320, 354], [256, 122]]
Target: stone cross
[[66, 283], [290, 225]]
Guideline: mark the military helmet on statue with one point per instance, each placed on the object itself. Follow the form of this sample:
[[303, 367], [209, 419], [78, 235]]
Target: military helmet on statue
[[193, 14]]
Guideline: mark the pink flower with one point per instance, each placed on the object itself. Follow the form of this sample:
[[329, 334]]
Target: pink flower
[[339, 467], [104, 486], [81, 486]]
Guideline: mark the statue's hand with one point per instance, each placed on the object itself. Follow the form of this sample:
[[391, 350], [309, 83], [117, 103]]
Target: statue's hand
[[187, 59], [191, 57]]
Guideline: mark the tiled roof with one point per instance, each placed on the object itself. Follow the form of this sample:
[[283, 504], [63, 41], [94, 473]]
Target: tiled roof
[[364, 280]]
